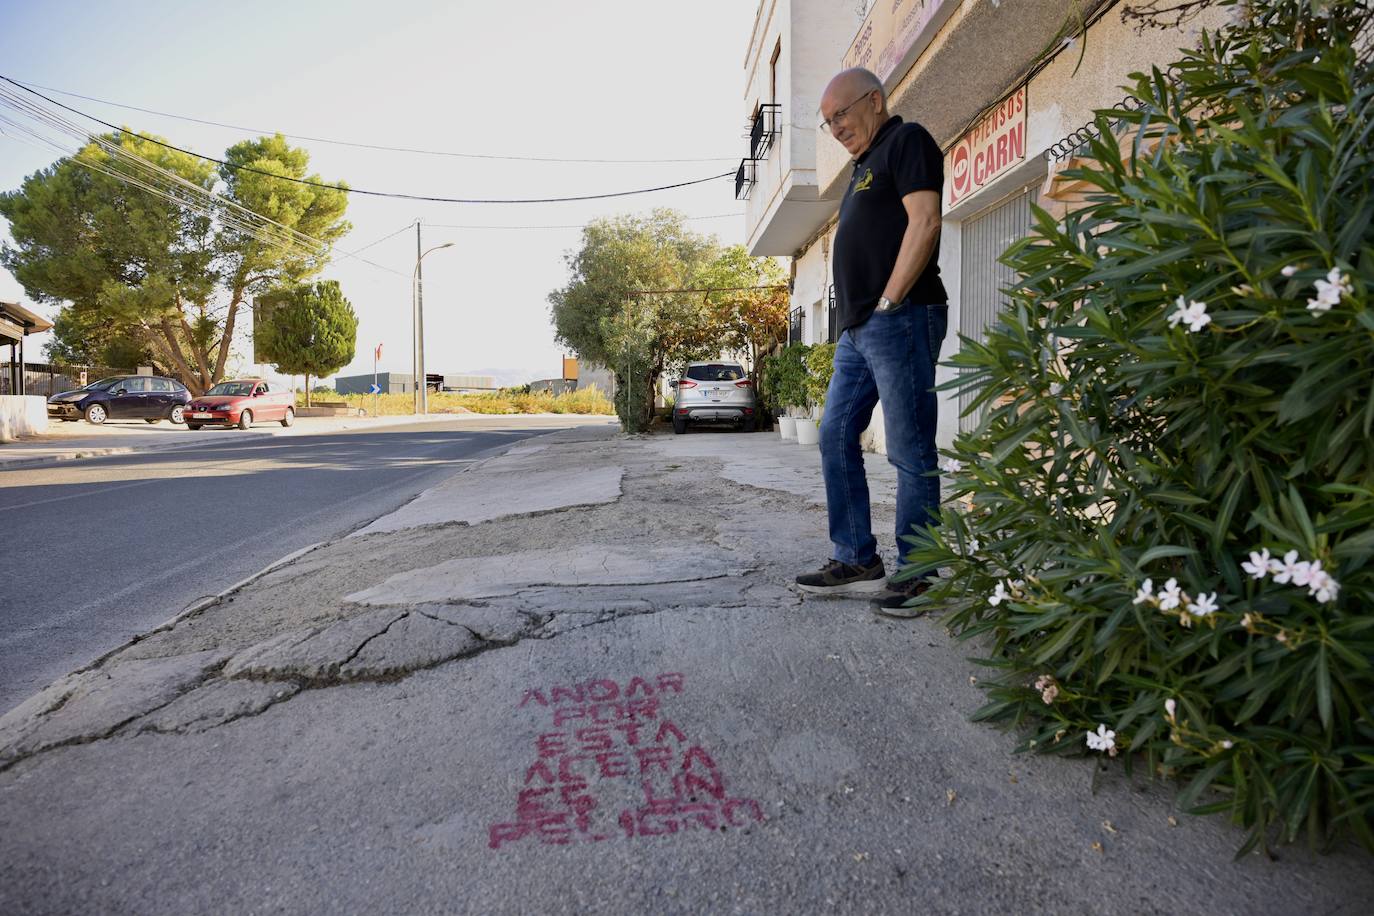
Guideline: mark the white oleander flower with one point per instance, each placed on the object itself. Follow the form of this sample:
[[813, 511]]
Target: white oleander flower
[[1284, 569], [1228, 744], [1104, 739], [1258, 567], [973, 545], [1329, 291], [1289, 270], [951, 465], [1302, 573], [1170, 596], [999, 595], [1322, 585], [1170, 707], [1204, 606], [1193, 314], [1145, 593]]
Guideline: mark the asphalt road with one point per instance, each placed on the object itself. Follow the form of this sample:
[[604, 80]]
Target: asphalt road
[[99, 551]]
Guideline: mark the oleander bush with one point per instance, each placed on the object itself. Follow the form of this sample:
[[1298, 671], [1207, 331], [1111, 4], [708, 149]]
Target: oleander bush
[[1160, 531]]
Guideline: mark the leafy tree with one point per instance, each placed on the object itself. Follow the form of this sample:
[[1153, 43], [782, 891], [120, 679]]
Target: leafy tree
[[1160, 528], [749, 314], [153, 277], [311, 331], [607, 315], [248, 265], [83, 338]]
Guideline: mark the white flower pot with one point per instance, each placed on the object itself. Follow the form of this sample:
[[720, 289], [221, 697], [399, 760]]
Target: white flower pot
[[787, 427], [808, 432]]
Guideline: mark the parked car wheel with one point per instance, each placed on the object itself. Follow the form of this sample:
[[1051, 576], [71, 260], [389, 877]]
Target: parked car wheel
[[245, 419], [679, 426], [96, 414], [193, 426], [177, 414], [289, 417]]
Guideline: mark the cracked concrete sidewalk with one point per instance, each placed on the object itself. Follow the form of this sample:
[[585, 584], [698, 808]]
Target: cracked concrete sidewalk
[[573, 677]]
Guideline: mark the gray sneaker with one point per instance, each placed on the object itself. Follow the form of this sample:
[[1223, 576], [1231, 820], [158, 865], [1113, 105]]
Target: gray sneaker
[[836, 578]]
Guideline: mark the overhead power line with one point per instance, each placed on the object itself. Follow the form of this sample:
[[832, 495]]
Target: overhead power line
[[372, 146], [169, 186], [390, 194], [563, 225]]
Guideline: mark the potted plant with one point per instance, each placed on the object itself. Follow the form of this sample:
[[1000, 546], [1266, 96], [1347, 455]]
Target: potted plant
[[819, 365], [791, 387]]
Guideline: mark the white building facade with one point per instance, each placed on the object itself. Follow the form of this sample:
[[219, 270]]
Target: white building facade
[[996, 83]]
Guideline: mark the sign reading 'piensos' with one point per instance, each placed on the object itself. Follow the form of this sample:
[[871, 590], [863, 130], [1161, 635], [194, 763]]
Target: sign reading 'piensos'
[[992, 147]]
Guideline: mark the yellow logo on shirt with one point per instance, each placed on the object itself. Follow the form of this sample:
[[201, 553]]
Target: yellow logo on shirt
[[865, 182]]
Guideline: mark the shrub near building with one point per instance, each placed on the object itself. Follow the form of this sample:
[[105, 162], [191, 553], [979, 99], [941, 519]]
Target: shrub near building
[[1161, 528]]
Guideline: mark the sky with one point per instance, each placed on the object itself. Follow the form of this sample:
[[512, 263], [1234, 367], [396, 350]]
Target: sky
[[596, 79]]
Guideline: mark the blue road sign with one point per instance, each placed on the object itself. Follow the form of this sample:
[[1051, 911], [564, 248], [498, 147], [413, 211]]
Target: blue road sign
[[374, 388]]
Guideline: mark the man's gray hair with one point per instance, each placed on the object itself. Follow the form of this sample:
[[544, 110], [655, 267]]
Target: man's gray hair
[[865, 80]]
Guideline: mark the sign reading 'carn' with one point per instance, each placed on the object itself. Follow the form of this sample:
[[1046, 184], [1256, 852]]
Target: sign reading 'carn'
[[995, 145]]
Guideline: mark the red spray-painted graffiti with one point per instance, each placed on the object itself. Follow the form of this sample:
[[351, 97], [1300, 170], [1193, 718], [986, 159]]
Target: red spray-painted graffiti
[[617, 766]]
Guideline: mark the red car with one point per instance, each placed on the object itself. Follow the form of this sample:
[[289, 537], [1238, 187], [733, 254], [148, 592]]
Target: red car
[[242, 402]]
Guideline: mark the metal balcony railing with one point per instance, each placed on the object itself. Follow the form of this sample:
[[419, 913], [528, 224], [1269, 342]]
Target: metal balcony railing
[[794, 326], [745, 178], [764, 130]]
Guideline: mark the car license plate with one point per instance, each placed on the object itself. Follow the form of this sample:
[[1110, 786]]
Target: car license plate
[[200, 416]]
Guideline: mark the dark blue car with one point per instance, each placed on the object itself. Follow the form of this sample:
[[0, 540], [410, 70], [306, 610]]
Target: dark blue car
[[123, 397]]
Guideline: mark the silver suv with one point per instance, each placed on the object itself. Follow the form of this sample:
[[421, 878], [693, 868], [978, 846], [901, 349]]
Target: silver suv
[[715, 392]]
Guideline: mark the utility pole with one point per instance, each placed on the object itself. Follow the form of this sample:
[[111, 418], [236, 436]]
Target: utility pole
[[420, 320], [417, 324], [416, 329]]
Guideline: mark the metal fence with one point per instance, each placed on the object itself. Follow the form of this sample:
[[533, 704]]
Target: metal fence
[[47, 379], [983, 277]]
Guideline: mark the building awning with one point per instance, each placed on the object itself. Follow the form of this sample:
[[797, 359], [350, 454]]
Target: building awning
[[16, 321]]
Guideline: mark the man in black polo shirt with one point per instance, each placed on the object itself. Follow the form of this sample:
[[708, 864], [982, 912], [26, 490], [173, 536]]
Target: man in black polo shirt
[[892, 317]]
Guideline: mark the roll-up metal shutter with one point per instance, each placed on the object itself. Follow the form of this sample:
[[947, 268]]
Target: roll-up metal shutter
[[982, 277]]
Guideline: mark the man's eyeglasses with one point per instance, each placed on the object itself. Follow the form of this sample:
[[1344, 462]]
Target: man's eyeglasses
[[844, 112]]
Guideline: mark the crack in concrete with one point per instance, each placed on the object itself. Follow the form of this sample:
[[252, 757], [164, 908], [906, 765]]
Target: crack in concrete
[[112, 731], [363, 645]]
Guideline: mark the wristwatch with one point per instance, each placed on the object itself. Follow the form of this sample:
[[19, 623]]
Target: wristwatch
[[885, 305]]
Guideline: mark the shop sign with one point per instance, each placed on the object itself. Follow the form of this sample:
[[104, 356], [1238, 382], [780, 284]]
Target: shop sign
[[994, 146], [895, 33]]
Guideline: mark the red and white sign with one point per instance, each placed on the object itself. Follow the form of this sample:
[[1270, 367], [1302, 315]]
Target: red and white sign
[[991, 148]]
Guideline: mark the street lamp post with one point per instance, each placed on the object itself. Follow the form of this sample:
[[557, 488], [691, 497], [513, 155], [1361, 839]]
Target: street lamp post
[[417, 325]]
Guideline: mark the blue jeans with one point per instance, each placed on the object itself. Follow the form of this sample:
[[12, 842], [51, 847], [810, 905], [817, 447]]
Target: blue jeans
[[890, 357]]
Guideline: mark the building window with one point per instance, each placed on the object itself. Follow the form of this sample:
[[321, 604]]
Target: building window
[[773, 72], [831, 317]]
